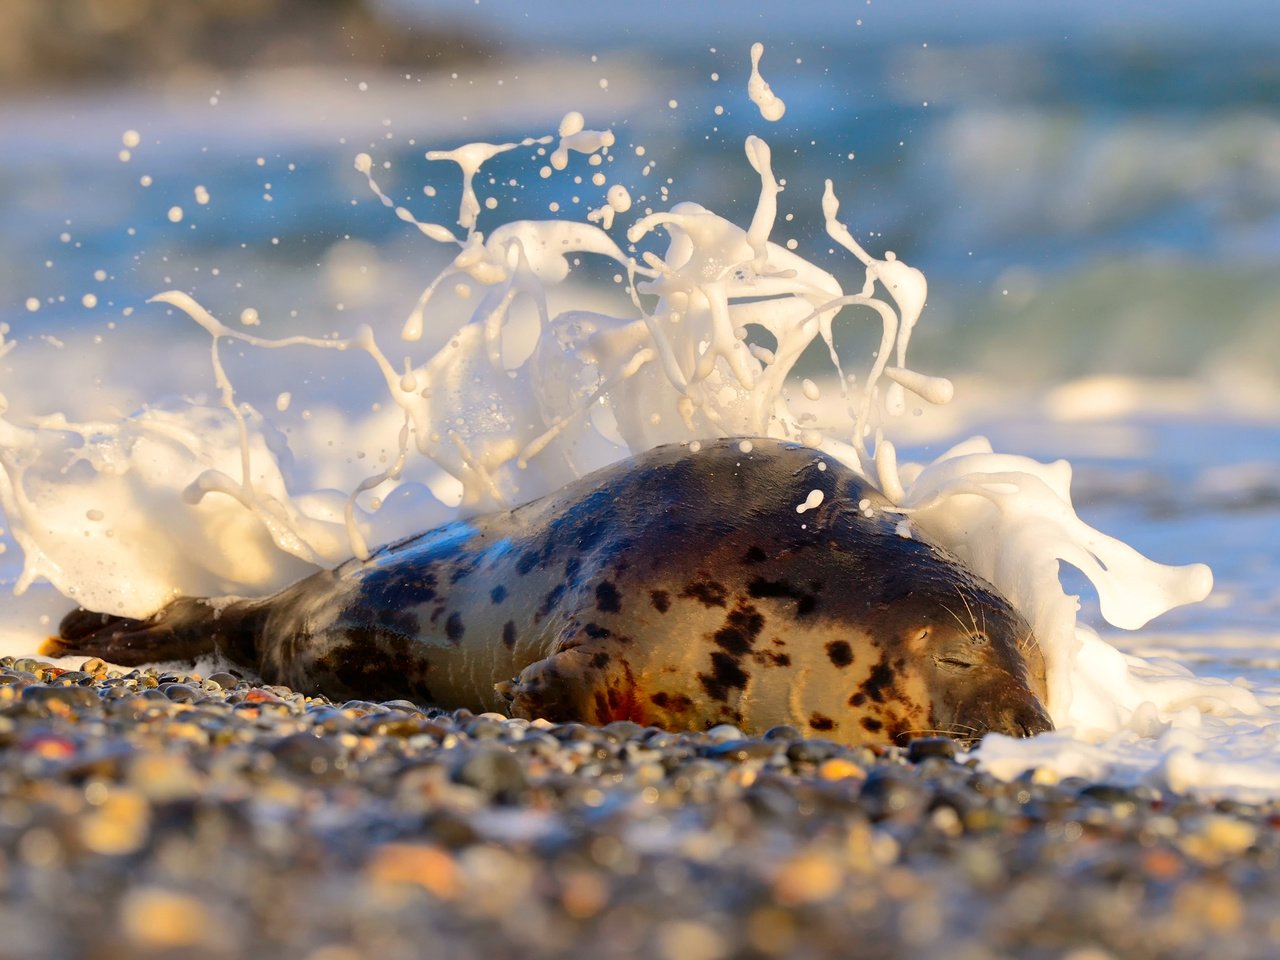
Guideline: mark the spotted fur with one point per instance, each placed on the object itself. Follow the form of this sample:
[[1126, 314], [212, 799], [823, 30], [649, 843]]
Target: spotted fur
[[679, 589]]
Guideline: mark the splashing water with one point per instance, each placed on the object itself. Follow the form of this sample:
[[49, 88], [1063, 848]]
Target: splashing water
[[123, 514]]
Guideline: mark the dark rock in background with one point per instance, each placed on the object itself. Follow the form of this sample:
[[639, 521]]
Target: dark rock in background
[[66, 42]]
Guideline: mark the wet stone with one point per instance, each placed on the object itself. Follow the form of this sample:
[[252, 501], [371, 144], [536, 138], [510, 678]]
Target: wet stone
[[622, 730], [493, 771], [78, 677], [743, 750], [390, 725], [782, 732], [724, 732], [483, 728], [181, 692], [31, 666], [887, 793], [68, 698], [305, 754], [95, 667], [450, 828], [922, 747], [572, 731], [813, 751], [1108, 794], [407, 706]]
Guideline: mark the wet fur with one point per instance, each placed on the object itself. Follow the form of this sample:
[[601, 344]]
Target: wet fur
[[679, 589]]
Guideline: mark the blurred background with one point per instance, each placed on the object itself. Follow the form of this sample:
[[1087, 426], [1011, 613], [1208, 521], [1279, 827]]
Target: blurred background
[[1092, 188]]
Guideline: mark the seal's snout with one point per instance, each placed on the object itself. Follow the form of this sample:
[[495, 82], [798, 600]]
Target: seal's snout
[[1025, 721], [1013, 711], [1004, 706]]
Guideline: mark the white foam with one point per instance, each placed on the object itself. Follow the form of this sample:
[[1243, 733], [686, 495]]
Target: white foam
[[771, 106]]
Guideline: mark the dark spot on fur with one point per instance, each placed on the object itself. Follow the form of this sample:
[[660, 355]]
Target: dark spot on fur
[[454, 628], [780, 659], [528, 560], [740, 630], [600, 659], [571, 568], [617, 701], [805, 602], [708, 592], [857, 700], [675, 702], [879, 683], [509, 634], [872, 725], [661, 600], [608, 600], [760, 587], [375, 664], [595, 631], [498, 594], [819, 722], [840, 653], [466, 566], [725, 673], [551, 600], [388, 594], [755, 555]]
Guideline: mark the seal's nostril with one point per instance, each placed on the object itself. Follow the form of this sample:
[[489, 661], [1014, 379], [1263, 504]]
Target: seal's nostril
[[1032, 720]]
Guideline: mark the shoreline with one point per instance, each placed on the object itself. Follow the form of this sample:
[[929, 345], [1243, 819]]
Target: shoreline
[[147, 812]]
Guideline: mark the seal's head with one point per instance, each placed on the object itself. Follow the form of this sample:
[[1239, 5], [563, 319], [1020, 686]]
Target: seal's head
[[951, 657], [981, 663]]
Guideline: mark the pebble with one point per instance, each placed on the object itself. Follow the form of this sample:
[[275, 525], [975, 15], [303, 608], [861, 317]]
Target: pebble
[[117, 823], [159, 919], [424, 865], [147, 813], [922, 747], [808, 877], [494, 771], [838, 768]]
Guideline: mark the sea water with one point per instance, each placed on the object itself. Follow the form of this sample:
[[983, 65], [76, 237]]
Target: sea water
[[141, 463]]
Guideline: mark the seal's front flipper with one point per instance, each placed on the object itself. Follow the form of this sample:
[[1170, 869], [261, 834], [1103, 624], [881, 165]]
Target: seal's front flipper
[[184, 630], [591, 682]]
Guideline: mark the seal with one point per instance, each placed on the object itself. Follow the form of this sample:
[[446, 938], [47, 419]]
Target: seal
[[753, 582]]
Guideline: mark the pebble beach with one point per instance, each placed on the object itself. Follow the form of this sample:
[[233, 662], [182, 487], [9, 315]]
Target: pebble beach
[[148, 813]]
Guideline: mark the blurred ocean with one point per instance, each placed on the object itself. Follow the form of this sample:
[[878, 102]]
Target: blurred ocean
[[1090, 188]]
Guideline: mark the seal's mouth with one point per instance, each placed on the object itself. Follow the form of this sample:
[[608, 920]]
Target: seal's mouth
[[1005, 708]]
